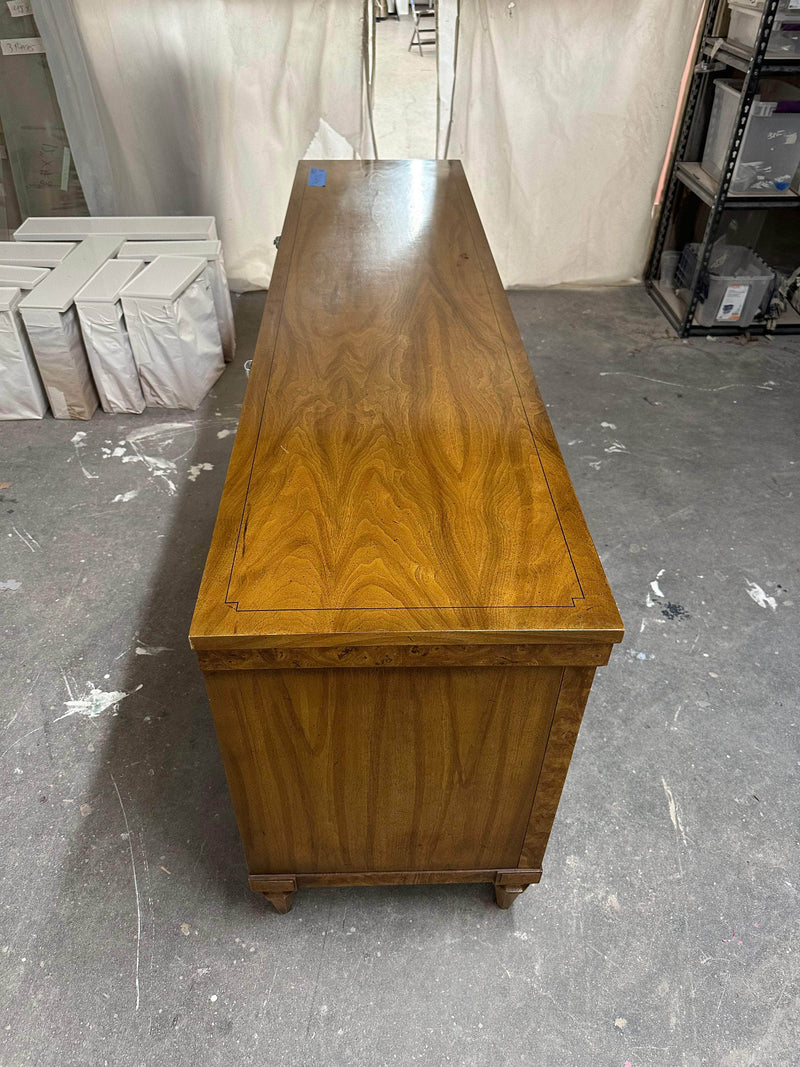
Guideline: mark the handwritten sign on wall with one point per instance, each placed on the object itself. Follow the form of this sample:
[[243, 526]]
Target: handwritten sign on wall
[[22, 46], [19, 7]]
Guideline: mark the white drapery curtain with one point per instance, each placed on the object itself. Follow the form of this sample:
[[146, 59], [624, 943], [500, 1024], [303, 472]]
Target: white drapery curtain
[[205, 106], [447, 35], [562, 112]]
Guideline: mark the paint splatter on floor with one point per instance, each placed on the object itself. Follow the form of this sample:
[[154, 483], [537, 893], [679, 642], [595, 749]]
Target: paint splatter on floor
[[94, 702], [159, 448], [674, 611], [757, 594], [79, 443], [655, 598], [655, 589], [674, 814], [27, 539], [194, 472], [151, 650]]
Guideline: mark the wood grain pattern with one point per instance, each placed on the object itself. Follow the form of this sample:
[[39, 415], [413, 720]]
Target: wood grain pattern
[[402, 608], [566, 723], [577, 654], [395, 473], [383, 770]]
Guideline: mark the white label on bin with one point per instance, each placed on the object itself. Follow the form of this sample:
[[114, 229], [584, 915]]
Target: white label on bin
[[21, 46], [730, 310], [19, 7], [794, 5]]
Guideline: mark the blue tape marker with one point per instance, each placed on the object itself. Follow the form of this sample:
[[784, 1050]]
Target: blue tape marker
[[316, 176]]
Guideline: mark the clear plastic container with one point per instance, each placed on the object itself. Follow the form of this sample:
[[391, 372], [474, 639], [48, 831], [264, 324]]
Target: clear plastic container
[[738, 285], [769, 153], [669, 266], [746, 20]]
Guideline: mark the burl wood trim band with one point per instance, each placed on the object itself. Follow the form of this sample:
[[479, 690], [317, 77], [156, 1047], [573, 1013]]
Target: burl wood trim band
[[541, 655], [267, 883], [561, 741], [284, 883], [518, 877]]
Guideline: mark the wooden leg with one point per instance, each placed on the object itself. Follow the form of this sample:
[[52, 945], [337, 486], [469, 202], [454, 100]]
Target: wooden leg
[[505, 895], [282, 902], [278, 889]]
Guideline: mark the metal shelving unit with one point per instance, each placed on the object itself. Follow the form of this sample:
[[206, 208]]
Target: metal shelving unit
[[716, 55]]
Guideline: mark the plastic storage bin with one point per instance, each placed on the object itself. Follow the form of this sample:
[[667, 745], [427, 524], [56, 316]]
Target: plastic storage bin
[[746, 21], [106, 337], [769, 153], [737, 286], [172, 324], [51, 320], [669, 267], [210, 250], [21, 393]]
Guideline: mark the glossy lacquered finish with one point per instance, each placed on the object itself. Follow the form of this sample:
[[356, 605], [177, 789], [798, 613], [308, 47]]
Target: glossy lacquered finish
[[402, 601], [395, 471]]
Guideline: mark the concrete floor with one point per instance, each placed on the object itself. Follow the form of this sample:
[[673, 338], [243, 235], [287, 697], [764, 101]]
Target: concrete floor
[[665, 930], [405, 93]]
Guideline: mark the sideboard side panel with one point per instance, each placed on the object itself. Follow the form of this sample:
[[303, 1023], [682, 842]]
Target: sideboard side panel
[[397, 769]]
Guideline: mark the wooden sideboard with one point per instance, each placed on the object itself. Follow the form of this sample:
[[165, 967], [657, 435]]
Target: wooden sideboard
[[402, 609]]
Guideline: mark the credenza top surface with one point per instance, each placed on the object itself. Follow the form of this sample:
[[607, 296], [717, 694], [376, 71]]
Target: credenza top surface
[[395, 476]]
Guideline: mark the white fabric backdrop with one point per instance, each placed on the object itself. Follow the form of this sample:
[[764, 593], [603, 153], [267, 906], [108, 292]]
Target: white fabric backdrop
[[447, 23], [205, 106], [562, 112]]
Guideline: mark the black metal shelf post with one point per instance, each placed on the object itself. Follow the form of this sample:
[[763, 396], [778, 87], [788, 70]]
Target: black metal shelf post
[[712, 56]]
